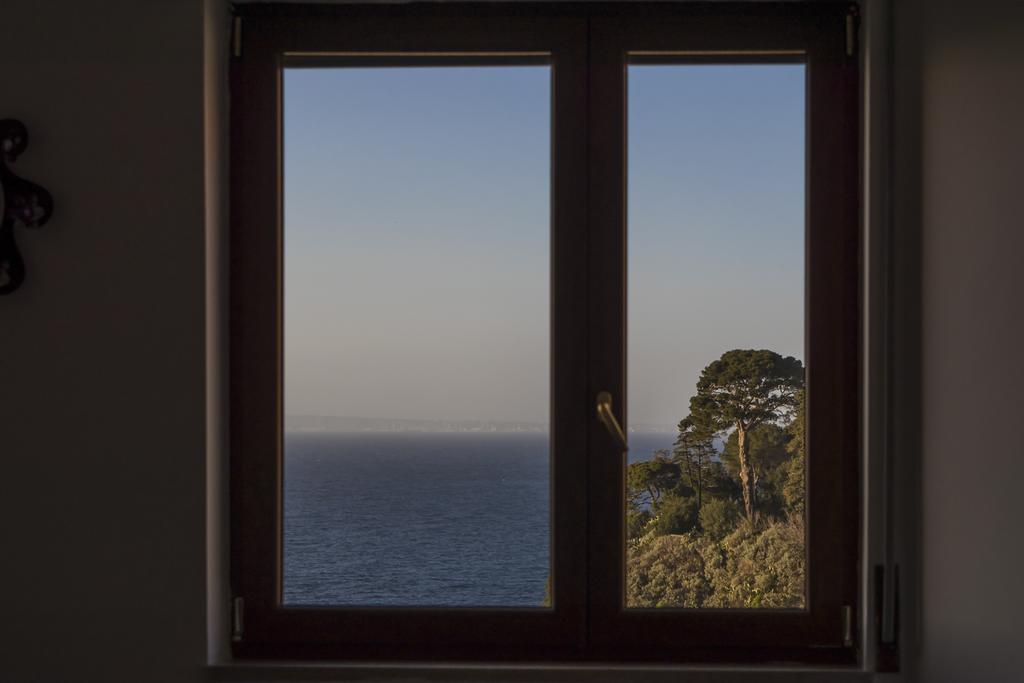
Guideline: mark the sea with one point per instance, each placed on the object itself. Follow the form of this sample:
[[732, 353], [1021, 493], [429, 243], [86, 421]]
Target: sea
[[439, 519]]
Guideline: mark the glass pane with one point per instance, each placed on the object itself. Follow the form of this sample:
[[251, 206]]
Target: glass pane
[[715, 477], [416, 334]]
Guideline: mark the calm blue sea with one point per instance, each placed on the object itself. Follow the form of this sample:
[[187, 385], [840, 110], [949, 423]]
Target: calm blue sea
[[441, 519]]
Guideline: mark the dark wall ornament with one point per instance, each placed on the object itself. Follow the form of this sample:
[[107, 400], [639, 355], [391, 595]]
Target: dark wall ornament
[[21, 203]]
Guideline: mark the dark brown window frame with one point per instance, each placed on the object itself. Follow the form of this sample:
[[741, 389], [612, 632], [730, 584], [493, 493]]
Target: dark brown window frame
[[738, 34], [587, 622]]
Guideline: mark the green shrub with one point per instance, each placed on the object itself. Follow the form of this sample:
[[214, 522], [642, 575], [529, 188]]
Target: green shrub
[[636, 521], [754, 566], [719, 517], [667, 572], [757, 567], [675, 516], [794, 489]]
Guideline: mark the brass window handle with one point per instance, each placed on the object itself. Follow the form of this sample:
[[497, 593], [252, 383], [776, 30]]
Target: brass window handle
[[607, 418]]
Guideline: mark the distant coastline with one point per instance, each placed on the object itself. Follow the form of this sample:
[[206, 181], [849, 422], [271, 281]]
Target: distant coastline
[[320, 423], [323, 423]]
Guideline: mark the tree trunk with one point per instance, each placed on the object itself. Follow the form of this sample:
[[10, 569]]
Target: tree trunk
[[746, 471], [700, 481]]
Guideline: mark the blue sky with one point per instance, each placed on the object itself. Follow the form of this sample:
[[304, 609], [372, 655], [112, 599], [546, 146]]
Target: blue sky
[[716, 224], [417, 235]]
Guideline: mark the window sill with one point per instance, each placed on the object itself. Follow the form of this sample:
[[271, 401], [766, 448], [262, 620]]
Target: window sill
[[495, 673]]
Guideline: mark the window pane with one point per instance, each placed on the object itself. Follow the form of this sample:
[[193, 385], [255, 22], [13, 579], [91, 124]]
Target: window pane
[[416, 335], [715, 483]]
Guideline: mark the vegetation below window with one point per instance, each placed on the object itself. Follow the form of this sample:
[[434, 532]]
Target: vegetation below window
[[718, 521]]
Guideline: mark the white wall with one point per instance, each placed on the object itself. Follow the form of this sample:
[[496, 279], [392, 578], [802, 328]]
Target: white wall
[[103, 395], [102, 404], [973, 341]]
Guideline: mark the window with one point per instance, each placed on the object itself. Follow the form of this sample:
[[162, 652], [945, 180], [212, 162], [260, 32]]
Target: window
[[544, 333]]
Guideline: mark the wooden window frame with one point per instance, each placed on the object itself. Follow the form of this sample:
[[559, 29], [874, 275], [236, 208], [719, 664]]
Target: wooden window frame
[[704, 34], [587, 46]]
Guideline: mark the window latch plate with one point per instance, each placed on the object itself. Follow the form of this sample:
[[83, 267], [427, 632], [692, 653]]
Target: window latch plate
[[236, 37], [237, 619], [851, 31], [887, 614]]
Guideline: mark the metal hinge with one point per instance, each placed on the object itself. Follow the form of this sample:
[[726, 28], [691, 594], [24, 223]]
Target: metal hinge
[[237, 619], [852, 16], [847, 626], [887, 619], [236, 36]]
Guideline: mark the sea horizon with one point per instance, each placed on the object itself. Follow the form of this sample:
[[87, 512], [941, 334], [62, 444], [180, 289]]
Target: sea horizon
[[449, 519]]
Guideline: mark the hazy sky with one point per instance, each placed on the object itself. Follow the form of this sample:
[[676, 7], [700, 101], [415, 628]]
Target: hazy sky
[[417, 236], [716, 224]]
